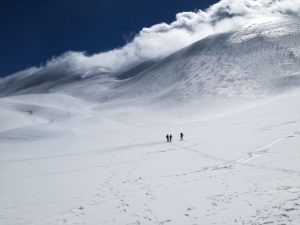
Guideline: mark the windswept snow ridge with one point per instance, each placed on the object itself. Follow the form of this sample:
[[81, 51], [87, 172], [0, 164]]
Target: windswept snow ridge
[[226, 65], [262, 58]]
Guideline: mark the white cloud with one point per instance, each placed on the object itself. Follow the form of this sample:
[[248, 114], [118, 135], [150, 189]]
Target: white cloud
[[162, 39]]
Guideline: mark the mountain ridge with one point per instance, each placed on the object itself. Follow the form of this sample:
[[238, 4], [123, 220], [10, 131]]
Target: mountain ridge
[[262, 58]]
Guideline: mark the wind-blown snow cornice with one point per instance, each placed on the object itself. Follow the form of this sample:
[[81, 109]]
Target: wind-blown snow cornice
[[163, 39]]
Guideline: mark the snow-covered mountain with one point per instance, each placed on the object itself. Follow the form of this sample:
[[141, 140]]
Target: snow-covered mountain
[[86, 145], [261, 58]]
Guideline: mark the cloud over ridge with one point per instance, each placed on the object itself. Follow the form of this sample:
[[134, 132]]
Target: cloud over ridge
[[163, 39]]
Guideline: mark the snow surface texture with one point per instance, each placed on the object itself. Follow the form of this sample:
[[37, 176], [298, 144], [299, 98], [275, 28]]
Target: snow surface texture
[[87, 149], [223, 65]]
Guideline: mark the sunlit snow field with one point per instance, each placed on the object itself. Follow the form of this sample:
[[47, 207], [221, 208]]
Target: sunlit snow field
[[73, 165]]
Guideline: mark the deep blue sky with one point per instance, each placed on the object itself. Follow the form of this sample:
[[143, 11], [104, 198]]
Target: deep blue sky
[[33, 31]]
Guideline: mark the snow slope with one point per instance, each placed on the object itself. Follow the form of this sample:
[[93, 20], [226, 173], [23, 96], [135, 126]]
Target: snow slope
[[241, 168], [225, 65], [89, 148]]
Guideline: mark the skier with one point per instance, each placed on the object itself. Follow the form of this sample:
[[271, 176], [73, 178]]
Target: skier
[[171, 137], [168, 138], [181, 136]]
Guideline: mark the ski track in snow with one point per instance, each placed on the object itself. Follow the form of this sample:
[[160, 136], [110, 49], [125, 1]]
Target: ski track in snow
[[241, 161], [228, 164], [99, 151]]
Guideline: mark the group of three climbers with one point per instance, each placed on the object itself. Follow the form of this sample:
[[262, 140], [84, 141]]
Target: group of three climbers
[[169, 137]]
